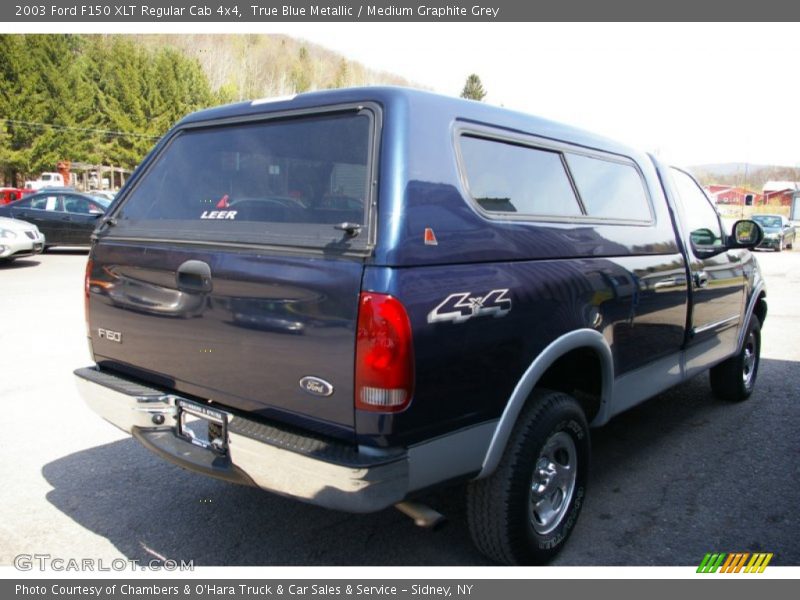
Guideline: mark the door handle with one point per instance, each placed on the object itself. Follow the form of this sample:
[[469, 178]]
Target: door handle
[[701, 279], [735, 255], [194, 276]]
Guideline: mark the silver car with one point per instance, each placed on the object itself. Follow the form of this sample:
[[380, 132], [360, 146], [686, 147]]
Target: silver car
[[18, 239]]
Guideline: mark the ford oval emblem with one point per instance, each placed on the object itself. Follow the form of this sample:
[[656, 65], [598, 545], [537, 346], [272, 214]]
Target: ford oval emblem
[[316, 386]]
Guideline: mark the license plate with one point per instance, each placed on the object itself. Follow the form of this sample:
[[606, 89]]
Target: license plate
[[203, 426]]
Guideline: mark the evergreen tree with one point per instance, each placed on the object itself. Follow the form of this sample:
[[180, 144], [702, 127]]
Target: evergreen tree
[[96, 99], [37, 80], [473, 88]]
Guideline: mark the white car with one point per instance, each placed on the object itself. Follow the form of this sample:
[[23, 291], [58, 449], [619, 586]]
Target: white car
[[18, 238]]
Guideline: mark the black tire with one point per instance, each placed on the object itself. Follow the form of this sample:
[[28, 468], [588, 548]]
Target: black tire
[[790, 246], [734, 379], [502, 516], [779, 247]]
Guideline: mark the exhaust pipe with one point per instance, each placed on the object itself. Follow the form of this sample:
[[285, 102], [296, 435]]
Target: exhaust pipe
[[422, 514]]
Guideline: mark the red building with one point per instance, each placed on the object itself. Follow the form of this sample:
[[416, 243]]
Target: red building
[[782, 191], [729, 194]]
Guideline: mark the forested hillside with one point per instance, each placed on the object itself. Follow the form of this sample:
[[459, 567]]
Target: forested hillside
[[106, 99], [749, 176], [241, 67]]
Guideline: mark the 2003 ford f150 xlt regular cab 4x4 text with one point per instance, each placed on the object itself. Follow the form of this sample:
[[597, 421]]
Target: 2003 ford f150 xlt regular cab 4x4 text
[[350, 297]]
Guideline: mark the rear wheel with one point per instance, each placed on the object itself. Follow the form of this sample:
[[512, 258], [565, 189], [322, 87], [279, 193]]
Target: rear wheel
[[734, 379], [524, 512]]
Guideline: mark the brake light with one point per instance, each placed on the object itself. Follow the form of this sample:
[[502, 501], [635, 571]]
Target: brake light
[[86, 283], [384, 355]]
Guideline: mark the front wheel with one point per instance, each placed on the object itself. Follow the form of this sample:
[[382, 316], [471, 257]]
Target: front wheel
[[524, 512], [734, 379]]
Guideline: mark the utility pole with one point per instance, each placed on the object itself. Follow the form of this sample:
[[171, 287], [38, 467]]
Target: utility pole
[[741, 216]]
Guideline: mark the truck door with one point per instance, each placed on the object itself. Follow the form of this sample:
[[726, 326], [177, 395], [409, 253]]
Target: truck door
[[717, 274]]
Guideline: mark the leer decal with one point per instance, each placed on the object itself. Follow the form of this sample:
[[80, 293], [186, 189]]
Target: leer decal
[[218, 214]]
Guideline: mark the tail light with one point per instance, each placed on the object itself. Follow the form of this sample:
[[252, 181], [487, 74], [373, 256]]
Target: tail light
[[86, 283], [384, 355]]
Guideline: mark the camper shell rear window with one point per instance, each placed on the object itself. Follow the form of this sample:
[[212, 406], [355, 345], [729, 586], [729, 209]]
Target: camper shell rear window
[[290, 181]]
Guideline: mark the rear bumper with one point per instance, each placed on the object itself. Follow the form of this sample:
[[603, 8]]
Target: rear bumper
[[311, 469]]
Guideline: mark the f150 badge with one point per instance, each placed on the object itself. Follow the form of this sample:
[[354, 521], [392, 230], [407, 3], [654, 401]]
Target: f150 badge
[[111, 336], [462, 306]]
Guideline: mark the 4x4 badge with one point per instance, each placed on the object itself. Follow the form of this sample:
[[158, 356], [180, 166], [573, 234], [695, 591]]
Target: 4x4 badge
[[460, 307]]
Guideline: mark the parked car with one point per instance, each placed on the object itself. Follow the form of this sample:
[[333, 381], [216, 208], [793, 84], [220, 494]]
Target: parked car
[[9, 194], [779, 233], [106, 194], [18, 239], [65, 218], [423, 291]]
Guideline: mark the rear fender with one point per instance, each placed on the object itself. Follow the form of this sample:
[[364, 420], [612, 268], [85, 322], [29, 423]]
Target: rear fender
[[582, 338]]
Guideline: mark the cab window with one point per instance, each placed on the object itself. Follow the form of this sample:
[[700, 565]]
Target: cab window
[[44, 202], [702, 220], [83, 206]]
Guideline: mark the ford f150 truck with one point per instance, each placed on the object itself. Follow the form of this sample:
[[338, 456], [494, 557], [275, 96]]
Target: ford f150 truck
[[351, 297]]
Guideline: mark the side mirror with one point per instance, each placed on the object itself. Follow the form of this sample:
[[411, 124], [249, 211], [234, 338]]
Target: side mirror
[[745, 234]]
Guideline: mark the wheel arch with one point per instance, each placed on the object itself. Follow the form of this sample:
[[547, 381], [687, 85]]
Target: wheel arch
[[583, 347], [760, 309], [757, 305]]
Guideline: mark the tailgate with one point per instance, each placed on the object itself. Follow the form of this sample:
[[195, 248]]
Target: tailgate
[[247, 338]]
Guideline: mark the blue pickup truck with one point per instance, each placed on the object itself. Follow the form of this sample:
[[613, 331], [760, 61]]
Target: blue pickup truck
[[352, 297]]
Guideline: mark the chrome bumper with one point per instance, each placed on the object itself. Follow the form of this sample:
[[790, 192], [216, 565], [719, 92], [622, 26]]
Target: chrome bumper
[[321, 472]]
